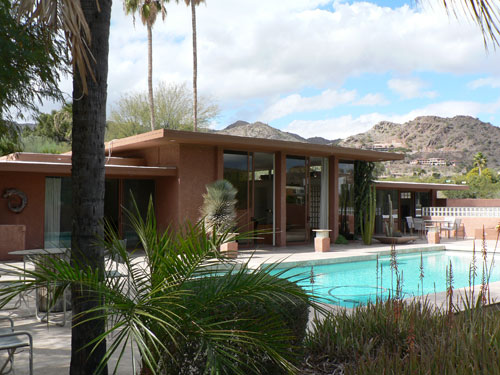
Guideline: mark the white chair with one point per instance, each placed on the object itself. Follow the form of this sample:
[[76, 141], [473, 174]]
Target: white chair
[[11, 341], [449, 224], [458, 224], [409, 221], [419, 225]]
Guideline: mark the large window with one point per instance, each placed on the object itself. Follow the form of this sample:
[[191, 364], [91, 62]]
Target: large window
[[296, 199], [346, 198], [236, 170], [58, 208]]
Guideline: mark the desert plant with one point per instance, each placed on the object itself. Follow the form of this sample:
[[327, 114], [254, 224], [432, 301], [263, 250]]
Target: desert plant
[[219, 206], [363, 182], [181, 292], [368, 220]]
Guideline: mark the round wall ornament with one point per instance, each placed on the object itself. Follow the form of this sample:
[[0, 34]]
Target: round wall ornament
[[17, 200]]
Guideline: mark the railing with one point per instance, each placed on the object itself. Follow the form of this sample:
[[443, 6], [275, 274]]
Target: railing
[[462, 211]]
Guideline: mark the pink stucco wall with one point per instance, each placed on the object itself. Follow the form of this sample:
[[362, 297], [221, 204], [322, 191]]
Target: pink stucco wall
[[32, 217], [473, 203]]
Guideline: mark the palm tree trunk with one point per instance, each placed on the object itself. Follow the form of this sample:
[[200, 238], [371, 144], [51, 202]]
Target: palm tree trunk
[[89, 123], [195, 67], [150, 74]]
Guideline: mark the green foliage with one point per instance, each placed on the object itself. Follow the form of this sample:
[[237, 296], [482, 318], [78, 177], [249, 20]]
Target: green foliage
[[345, 201], [341, 240], [173, 110], [116, 130], [56, 126], [480, 161], [293, 313], [219, 206], [32, 58], [363, 180], [389, 226], [407, 338], [181, 291], [368, 220], [10, 139], [34, 143]]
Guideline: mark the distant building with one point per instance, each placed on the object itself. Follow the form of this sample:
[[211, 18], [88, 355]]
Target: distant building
[[432, 162]]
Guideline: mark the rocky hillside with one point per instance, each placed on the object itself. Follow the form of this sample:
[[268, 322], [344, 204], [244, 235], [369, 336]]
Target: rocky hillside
[[455, 139], [261, 130]]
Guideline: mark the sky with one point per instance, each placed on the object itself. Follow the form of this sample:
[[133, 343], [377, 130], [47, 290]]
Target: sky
[[313, 67]]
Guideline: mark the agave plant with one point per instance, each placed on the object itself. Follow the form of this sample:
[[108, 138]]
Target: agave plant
[[218, 208], [183, 305]]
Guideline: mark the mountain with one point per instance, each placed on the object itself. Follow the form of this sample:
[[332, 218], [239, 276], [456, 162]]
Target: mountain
[[261, 130], [456, 139]]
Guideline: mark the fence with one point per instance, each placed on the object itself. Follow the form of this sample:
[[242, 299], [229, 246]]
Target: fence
[[462, 211]]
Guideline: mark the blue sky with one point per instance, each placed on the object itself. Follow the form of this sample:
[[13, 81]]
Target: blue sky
[[315, 67]]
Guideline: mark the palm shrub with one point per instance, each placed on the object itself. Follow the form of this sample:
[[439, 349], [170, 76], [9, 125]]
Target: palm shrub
[[218, 210], [186, 308]]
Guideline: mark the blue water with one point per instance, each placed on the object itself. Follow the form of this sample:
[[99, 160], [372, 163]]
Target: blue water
[[355, 283]]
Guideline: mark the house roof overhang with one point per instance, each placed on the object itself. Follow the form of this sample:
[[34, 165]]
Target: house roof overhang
[[61, 165], [164, 137], [418, 185]]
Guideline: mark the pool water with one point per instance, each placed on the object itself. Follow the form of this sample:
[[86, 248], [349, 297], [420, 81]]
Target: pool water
[[355, 283]]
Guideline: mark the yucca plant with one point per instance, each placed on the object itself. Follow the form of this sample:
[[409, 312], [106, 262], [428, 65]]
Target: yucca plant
[[187, 309], [219, 206]]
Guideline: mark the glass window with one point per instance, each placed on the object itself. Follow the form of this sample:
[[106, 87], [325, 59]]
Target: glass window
[[140, 191], [346, 198], [236, 171], [296, 199], [57, 227]]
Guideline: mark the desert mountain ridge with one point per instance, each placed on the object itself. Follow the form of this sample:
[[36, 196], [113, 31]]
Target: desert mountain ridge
[[454, 141]]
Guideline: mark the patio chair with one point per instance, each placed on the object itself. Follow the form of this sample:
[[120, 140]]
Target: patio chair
[[458, 225], [11, 341], [409, 222], [449, 224], [419, 226]]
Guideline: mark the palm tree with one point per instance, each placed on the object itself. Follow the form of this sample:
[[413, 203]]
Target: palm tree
[[148, 10], [480, 161], [193, 4]]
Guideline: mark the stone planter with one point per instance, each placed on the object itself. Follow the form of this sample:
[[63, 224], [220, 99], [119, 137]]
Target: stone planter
[[433, 236], [230, 247], [322, 240]]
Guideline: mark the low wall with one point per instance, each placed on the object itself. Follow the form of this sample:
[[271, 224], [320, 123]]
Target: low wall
[[12, 237]]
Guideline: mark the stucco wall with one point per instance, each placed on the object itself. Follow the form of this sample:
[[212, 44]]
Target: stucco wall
[[33, 185], [473, 203], [197, 168]]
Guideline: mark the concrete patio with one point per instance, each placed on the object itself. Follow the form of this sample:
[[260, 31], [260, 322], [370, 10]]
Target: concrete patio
[[52, 344]]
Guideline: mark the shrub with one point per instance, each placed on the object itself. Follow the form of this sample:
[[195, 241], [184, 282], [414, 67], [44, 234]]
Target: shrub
[[289, 314], [341, 240], [406, 338]]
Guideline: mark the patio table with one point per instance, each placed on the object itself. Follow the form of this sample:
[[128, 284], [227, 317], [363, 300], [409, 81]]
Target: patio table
[[31, 254]]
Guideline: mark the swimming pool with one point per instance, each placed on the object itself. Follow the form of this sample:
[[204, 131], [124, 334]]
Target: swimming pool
[[353, 283]]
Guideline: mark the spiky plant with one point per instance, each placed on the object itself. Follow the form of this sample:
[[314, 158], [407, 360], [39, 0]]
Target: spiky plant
[[219, 206]]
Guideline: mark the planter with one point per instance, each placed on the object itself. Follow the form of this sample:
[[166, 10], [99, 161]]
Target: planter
[[322, 240], [230, 248], [433, 237]]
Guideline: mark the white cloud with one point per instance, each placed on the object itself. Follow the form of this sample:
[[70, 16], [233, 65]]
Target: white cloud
[[372, 100], [493, 82], [296, 103], [410, 88], [262, 49], [345, 126]]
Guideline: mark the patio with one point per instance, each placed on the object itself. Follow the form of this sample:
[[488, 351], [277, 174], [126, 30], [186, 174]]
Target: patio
[[52, 344]]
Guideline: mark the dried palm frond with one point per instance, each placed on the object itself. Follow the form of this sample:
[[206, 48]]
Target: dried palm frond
[[64, 16], [485, 13]]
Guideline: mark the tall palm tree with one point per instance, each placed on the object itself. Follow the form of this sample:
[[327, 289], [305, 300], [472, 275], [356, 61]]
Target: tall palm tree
[[193, 4], [85, 25], [148, 10], [480, 161]]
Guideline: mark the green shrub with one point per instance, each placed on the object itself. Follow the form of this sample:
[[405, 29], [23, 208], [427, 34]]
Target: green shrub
[[289, 314], [341, 240]]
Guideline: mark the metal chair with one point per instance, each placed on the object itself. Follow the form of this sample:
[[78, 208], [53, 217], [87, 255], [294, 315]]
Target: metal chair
[[409, 222], [11, 341], [449, 224], [419, 226]]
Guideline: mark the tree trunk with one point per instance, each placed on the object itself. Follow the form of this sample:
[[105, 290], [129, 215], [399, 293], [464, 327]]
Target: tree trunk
[[150, 74], [195, 67], [89, 123]]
